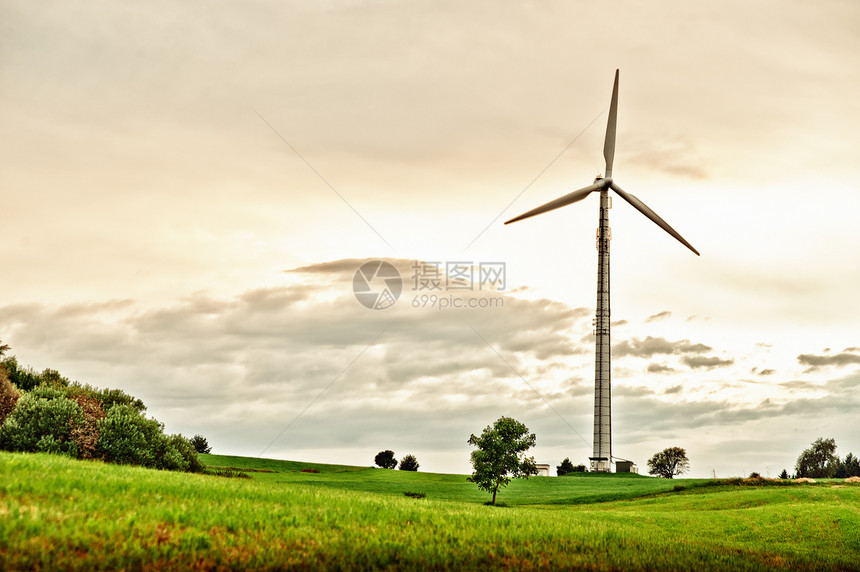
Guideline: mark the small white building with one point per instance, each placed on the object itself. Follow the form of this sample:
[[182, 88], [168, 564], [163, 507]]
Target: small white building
[[542, 470]]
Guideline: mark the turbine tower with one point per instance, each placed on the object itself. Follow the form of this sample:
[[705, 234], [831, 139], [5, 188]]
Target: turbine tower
[[601, 459]]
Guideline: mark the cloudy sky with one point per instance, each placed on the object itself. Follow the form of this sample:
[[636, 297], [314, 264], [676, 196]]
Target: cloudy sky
[[189, 188]]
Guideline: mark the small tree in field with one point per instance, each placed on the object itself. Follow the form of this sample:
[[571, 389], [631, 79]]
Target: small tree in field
[[409, 463], [501, 455], [201, 445], [669, 462], [564, 468], [385, 459], [784, 474]]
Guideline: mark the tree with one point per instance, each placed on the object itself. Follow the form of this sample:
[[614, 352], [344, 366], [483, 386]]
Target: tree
[[850, 467], [669, 462], [409, 463], [201, 445], [784, 474], [501, 455], [564, 468], [385, 459], [819, 461]]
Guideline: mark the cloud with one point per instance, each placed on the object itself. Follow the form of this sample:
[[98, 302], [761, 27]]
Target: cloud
[[659, 368], [816, 362], [256, 359], [651, 346], [697, 362], [660, 316]]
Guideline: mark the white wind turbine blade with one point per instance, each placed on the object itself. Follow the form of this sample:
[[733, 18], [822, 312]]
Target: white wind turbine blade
[[643, 208], [609, 142], [561, 201]]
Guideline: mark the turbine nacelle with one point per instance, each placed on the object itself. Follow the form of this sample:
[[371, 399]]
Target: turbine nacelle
[[606, 182]]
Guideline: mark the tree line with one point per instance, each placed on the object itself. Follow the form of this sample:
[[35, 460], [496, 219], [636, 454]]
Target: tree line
[[45, 412]]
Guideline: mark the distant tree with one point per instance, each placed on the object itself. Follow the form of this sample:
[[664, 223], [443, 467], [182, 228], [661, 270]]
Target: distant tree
[[755, 475], [564, 468], [385, 459], [3, 348], [784, 475], [201, 445], [669, 462], [819, 461], [408, 463], [501, 455], [579, 469], [850, 467]]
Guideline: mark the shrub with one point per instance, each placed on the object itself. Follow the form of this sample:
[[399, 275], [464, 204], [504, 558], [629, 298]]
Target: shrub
[[42, 421], [409, 463], [128, 438], [111, 397], [85, 433], [177, 454], [23, 379], [9, 396]]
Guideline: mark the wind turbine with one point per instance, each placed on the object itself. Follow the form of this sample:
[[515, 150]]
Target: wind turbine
[[601, 459]]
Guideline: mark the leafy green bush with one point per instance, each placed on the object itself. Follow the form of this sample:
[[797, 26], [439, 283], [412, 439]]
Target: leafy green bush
[[128, 438], [181, 453], [42, 421], [111, 397]]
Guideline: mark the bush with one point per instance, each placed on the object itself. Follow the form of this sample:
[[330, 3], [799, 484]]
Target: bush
[[9, 396], [409, 463], [178, 454], [42, 421], [85, 433], [111, 397], [23, 379], [128, 438]]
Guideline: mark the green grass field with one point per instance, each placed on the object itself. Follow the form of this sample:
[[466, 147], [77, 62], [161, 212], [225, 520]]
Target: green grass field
[[58, 513]]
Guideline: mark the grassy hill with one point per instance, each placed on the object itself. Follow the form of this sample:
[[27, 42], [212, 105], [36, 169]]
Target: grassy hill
[[58, 513]]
